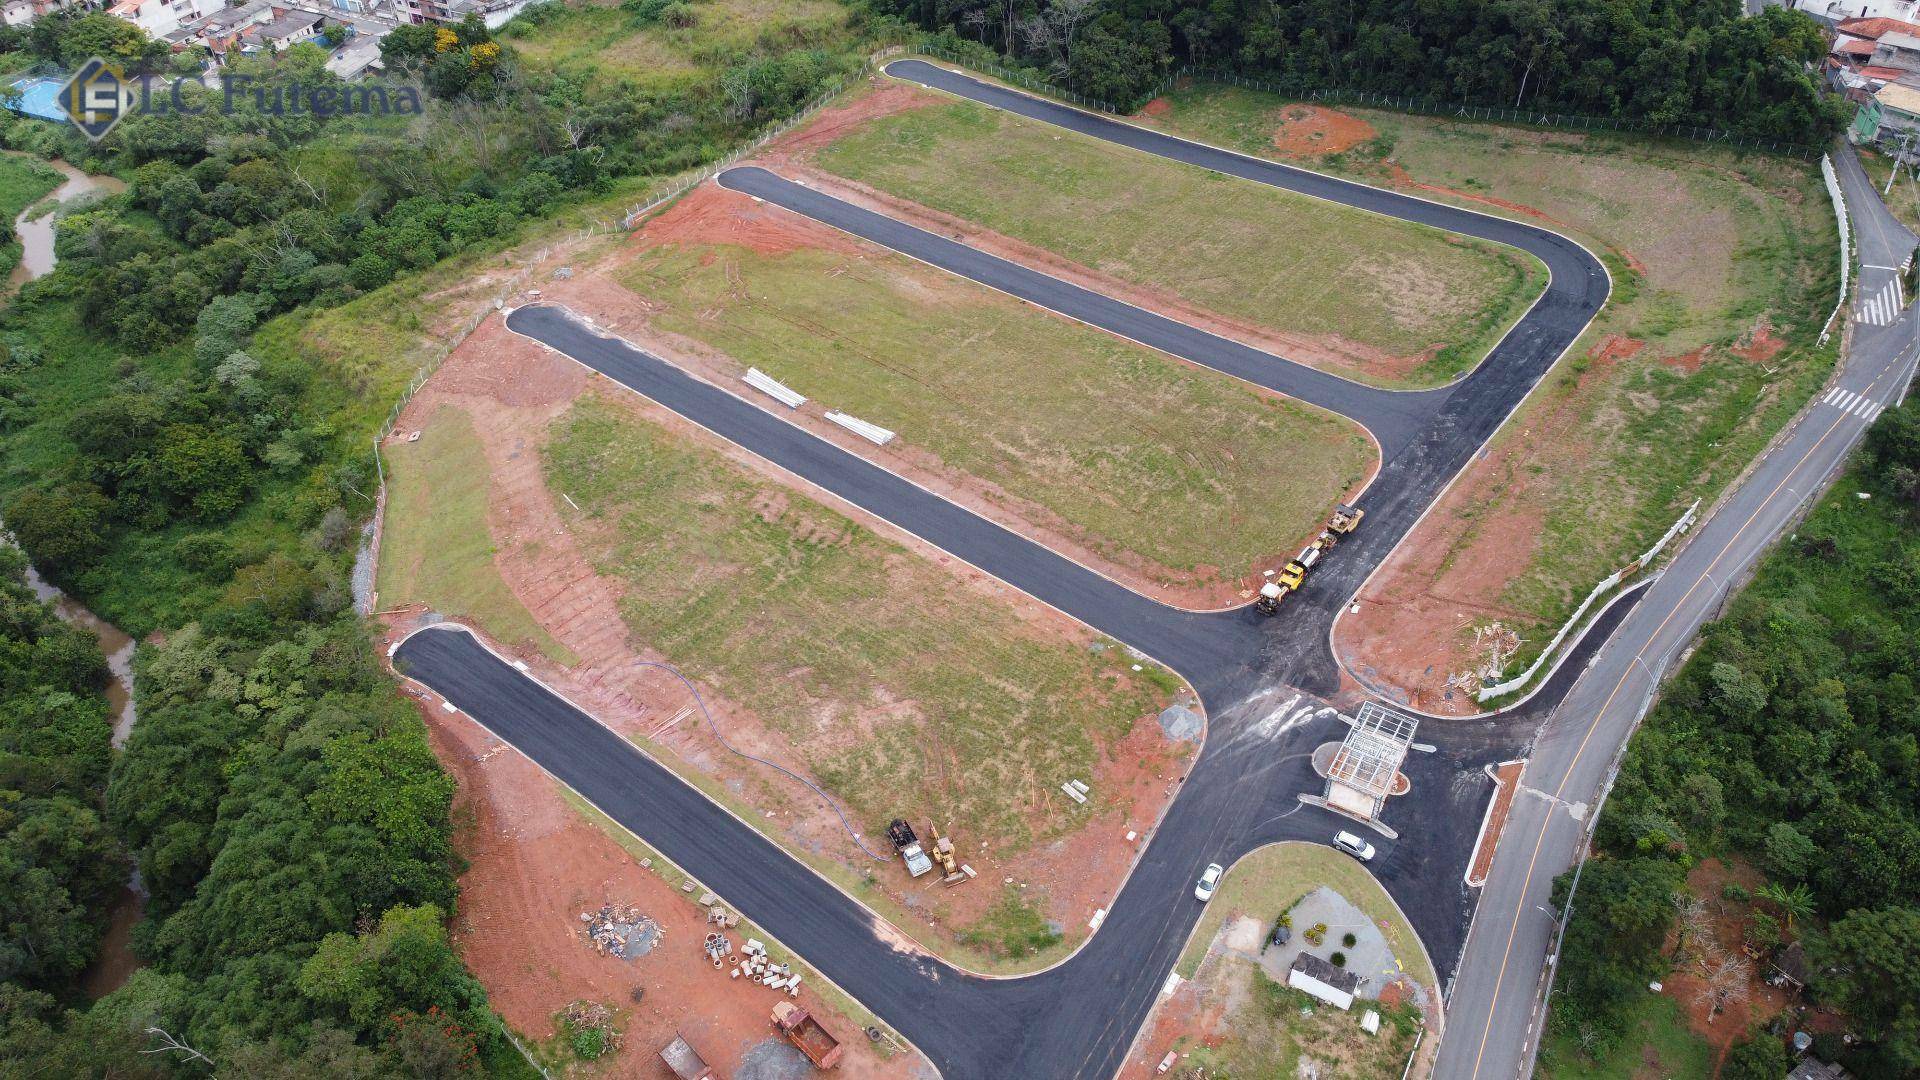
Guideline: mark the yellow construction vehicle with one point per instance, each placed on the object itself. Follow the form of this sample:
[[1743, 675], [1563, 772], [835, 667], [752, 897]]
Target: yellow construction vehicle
[[943, 856], [1345, 519]]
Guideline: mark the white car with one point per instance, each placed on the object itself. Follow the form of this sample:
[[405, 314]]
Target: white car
[[1209, 881], [1353, 846]]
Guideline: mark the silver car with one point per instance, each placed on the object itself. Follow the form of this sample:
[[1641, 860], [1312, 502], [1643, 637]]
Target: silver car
[[1353, 846], [1209, 881]]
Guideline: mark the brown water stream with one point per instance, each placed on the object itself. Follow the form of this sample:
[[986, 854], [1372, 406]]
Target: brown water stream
[[116, 961], [36, 232]]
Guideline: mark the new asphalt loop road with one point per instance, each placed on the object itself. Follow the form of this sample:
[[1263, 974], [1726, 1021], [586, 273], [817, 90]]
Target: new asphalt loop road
[[1078, 1018]]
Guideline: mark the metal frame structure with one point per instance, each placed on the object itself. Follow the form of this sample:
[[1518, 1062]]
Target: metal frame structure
[[1369, 759]]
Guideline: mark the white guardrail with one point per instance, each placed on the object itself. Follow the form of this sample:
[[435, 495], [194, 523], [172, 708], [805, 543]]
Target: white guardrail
[[1846, 239], [873, 433], [773, 388], [1686, 521]]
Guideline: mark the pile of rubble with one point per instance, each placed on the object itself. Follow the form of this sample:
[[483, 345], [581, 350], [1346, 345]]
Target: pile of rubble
[[752, 962], [620, 931]]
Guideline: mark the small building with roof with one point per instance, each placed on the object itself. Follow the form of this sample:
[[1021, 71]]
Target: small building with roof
[[1320, 979]]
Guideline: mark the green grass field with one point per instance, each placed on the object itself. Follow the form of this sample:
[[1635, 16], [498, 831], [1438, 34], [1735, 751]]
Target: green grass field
[[1383, 301], [604, 42], [1705, 247], [1656, 1043], [905, 693], [435, 547], [1153, 464], [1267, 882]]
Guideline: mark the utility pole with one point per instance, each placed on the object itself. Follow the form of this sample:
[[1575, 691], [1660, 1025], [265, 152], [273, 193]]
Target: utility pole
[[1899, 156]]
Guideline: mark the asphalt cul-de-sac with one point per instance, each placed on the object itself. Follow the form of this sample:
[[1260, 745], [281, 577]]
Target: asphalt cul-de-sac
[[1078, 1018]]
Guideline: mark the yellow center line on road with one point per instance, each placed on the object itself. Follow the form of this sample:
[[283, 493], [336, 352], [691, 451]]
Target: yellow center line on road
[[1513, 929]]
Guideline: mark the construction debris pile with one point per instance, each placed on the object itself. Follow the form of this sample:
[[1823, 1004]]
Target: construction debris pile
[[620, 931]]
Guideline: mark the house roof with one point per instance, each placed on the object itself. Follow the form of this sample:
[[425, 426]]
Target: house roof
[[1315, 968], [1897, 40], [1873, 28], [1899, 98], [1882, 74], [1853, 47], [288, 25]]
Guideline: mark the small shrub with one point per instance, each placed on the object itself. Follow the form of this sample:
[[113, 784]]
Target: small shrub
[[1733, 890], [1339, 959], [1349, 940]]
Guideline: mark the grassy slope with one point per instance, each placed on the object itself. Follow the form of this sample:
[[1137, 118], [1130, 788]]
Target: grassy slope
[[1903, 198], [822, 629], [600, 43], [1269, 881], [436, 548], [1714, 244], [1316, 268], [1132, 449], [1656, 1043]]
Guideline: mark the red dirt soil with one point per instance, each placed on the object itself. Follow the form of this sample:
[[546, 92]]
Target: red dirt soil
[[1313, 131], [513, 388], [534, 866], [1688, 988], [1413, 628], [1506, 780], [1157, 107], [1193, 1013]]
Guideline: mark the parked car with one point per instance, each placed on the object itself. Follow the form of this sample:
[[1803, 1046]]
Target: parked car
[[1209, 881], [1353, 846]]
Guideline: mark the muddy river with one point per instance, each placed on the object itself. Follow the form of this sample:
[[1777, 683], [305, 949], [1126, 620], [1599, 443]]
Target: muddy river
[[34, 227]]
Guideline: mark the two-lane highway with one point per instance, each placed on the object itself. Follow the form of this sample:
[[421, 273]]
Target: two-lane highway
[[1495, 1010]]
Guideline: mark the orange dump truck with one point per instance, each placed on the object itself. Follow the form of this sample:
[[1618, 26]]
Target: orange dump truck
[[803, 1031]]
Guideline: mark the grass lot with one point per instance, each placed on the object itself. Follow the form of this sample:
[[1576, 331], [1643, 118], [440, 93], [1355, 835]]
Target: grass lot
[[1270, 881], [600, 42], [1128, 448], [1705, 247], [905, 693], [435, 548], [23, 182], [1656, 1043], [1362, 283], [1904, 197], [1274, 1031]]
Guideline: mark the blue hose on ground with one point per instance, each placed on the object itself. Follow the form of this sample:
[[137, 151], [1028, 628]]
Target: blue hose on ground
[[774, 765]]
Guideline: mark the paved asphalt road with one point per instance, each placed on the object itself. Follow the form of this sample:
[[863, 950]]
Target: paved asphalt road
[[1078, 1019], [1493, 1012]]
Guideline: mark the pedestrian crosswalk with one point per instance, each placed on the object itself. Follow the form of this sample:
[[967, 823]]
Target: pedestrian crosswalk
[[1850, 402], [1883, 307]]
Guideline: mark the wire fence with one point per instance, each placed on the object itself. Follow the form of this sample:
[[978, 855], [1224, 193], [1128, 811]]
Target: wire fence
[[1308, 90]]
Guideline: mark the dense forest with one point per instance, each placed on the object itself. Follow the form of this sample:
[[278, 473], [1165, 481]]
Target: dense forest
[[175, 459], [1790, 739], [1696, 62]]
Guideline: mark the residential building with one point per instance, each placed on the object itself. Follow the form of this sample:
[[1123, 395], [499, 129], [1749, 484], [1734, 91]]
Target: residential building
[[1894, 49], [493, 13], [162, 17], [22, 12], [1835, 11], [1317, 977], [288, 28]]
